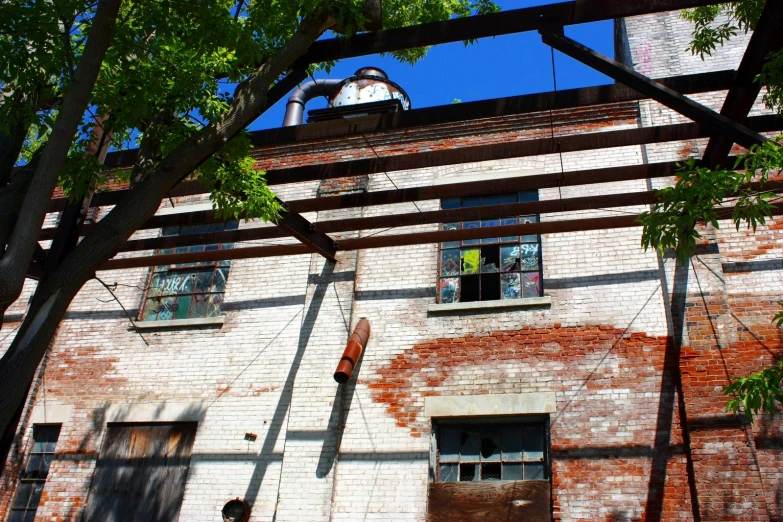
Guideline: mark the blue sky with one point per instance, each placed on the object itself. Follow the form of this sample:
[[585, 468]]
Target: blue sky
[[490, 68]]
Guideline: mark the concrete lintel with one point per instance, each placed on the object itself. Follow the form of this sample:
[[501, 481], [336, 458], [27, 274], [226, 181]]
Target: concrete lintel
[[506, 404], [490, 305], [51, 413], [157, 412], [180, 323]]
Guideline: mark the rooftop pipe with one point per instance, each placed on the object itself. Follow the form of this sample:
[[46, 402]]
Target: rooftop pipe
[[294, 109], [353, 351]]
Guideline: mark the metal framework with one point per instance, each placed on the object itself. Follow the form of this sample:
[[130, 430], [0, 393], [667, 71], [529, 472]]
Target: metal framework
[[724, 129]]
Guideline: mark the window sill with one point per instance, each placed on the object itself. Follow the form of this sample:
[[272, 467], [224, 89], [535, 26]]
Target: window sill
[[180, 323], [477, 306]]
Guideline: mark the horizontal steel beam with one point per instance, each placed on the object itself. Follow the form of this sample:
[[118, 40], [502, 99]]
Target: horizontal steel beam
[[516, 149], [474, 27], [498, 107], [388, 197], [396, 240], [483, 109], [490, 212], [488, 187], [401, 220], [766, 38], [658, 92]]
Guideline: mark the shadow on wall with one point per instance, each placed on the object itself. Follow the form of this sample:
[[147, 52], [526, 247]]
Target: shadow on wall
[[617, 515], [322, 283], [333, 436]]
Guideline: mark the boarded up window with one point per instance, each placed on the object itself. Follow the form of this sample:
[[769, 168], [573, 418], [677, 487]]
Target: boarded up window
[[491, 471], [141, 473]]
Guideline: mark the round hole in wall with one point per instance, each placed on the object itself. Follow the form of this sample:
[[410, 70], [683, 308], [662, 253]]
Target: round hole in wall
[[236, 511]]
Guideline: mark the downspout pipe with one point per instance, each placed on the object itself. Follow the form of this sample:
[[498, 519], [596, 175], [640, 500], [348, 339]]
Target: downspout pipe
[[353, 351], [294, 109]]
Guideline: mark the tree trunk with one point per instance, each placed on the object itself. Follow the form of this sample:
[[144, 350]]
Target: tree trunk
[[24, 237], [56, 289], [10, 148]]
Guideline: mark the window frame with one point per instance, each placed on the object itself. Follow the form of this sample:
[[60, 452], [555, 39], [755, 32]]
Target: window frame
[[24, 479], [215, 266], [500, 242], [489, 425]]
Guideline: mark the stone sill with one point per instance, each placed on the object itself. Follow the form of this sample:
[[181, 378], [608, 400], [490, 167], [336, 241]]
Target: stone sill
[[180, 323], [478, 306]]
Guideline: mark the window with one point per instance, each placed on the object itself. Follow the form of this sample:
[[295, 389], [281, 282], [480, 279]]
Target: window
[[487, 452], [494, 268], [141, 472], [188, 290], [32, 481]]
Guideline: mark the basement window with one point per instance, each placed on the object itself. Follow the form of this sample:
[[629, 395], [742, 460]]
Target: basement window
[[188, 290], [493, 451], [494, 268], [32, 480]]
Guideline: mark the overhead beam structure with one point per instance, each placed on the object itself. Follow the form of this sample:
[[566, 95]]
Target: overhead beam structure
[[499, 107], [493, 108], [313, 236], [405, 195], [496, 24], [514, 149], [396, 240], [705, 116]]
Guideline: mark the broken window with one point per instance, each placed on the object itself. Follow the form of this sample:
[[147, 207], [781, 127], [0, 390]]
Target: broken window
[[492, 452], [33, 478], [490, 269], [141, 471], [188, 290]]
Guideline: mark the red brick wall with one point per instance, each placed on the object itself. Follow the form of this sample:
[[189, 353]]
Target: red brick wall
[[609, 409]]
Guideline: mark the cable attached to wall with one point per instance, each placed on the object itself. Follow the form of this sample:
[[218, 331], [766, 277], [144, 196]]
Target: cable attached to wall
[[552, 121]]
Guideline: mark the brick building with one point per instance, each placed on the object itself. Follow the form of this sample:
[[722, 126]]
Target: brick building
[[570, 376]]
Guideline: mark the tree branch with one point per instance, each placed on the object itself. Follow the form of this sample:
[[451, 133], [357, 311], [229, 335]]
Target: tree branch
[[23, 239]]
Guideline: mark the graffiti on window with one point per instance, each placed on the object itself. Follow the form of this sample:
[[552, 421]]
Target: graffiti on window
[[188, 290]]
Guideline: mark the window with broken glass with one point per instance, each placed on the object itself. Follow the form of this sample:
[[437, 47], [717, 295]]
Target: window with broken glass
[[188, 290], [494, 268], [33, 478], [492, 452]]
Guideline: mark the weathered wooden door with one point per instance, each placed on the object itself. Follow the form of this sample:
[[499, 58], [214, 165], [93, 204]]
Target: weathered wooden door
[[141, 472]]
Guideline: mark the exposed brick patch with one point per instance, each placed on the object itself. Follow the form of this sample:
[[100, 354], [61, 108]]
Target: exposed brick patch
[[603, 435]]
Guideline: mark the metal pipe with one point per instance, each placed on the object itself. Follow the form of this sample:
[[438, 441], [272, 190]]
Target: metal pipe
[[353, 351], [294, 109]]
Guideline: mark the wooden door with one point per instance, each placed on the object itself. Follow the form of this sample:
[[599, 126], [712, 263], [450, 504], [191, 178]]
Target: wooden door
[[141, 472]]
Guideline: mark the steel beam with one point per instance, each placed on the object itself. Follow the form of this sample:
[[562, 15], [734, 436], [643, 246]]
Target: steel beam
[[395, 240], [201, 257], [388, 197], [305, 232], [420, 218], [490, 212], [226, 236], [474, 27], [494, 108], [483, 109], [706, 117], [516, 149], [766, 38], [488, 187]]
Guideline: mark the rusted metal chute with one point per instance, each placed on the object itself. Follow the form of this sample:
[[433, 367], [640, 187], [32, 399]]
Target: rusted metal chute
[[353, 351]]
